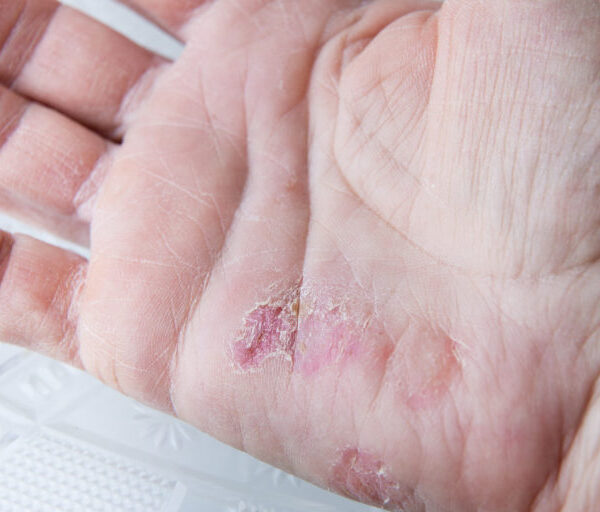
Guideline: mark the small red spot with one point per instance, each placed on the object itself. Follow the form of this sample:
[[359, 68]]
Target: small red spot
[[362, 477]]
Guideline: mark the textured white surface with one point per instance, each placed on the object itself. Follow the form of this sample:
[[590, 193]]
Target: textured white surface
[[70, 444], [47, 471]]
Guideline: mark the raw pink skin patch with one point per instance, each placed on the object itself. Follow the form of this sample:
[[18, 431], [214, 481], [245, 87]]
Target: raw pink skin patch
[[362, 477], [325, 338], [269, 330]]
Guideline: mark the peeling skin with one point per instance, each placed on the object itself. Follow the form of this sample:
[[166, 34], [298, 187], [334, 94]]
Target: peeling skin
[[269, 331], [314, 334], [363, 477], [311, 334]]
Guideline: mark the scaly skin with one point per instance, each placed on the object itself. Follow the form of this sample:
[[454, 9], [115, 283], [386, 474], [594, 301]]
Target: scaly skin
[[358, 240]]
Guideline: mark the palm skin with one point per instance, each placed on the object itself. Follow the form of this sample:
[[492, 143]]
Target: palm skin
[[359, 240]]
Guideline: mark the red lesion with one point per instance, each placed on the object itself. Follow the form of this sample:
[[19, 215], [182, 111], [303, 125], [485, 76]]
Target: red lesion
[[269, 330], [363, 477], [325, 337]]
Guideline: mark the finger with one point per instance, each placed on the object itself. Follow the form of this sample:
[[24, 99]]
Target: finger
[[50, 167], [39, 290], [64, 59], [172, 15]]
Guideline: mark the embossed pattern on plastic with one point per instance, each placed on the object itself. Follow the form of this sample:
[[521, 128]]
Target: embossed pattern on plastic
[[48, 472]]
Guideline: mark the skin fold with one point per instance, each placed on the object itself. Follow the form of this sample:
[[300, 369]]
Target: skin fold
[[359, 240]]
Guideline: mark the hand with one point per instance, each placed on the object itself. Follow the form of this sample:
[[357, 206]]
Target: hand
[[357, 239]]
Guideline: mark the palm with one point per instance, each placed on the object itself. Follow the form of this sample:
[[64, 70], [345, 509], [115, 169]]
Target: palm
[[312, 237]]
